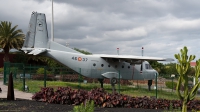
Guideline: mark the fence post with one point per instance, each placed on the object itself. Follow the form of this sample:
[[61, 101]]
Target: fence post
[[156, 87], [45, 76], [6, 71], [119, 83], [4, 74], [23, 78], [15, 72], [79, 78], [30, 71]]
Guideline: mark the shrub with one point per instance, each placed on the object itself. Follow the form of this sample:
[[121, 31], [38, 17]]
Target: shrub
[[41, 71], [169, 84], [103, 99]]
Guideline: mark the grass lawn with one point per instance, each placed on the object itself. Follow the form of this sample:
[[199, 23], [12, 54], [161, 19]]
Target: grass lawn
[[35, 86]]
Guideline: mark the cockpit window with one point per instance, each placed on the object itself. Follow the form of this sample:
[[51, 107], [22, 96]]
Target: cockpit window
[[148, 66]]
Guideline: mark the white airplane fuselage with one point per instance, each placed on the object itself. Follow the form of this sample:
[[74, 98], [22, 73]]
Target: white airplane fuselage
[[94, 66]]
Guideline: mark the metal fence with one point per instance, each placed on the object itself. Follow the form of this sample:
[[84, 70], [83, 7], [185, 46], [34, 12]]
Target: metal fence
[[24, 74]]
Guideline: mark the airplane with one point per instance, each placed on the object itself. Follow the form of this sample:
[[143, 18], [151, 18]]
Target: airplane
[[98, 66]]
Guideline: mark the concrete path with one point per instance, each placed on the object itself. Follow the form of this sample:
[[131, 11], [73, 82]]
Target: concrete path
[[17, 93]]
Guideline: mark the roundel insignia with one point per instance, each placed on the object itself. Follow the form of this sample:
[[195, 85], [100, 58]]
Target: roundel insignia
[[79, 59]]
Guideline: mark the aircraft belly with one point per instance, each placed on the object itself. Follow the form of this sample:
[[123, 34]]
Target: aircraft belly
[[138, 75], [126, 74], [149, 75], [96, 74]]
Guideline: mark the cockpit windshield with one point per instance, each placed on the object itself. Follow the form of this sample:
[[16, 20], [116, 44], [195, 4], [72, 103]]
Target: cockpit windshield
[[148, 66]]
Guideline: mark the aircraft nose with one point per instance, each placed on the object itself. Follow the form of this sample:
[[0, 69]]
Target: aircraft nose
[[155, 72]]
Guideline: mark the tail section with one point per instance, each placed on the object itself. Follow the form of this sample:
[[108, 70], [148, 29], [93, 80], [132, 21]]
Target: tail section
[[37, 40], [37, 36]]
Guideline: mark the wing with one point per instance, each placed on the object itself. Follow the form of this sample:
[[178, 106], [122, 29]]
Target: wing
[[133, 59]]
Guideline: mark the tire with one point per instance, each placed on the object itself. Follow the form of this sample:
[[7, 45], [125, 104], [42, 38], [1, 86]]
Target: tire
[[113, 80]]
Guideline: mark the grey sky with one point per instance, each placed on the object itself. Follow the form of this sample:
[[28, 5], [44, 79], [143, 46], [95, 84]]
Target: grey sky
[[162, 27]]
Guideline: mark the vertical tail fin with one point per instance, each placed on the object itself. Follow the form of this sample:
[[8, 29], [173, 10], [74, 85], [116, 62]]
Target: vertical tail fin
[[37, 40], [37, 36]]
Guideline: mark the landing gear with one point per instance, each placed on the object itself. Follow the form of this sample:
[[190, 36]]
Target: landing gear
[[149, 84], [113, 81], [101, 81]]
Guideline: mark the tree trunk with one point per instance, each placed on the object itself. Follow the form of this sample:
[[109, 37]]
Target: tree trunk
[[6, 57], [6, 52]]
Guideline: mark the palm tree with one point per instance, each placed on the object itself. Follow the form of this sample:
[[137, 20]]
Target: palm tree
[[10, 37]]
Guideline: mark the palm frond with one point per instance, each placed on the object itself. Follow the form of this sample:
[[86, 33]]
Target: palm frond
[[10, 37]]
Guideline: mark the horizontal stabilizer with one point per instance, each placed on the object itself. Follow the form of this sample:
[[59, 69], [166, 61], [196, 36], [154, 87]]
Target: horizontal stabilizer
[[37, 51]]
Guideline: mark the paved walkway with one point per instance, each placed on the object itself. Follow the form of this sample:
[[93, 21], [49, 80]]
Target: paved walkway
[[17, 93]]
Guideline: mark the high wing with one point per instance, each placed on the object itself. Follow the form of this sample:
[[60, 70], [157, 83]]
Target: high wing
[[132, 58]]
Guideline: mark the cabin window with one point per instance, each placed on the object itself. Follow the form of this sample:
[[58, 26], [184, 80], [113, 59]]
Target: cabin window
[[148, 66], [94, 64], [128, 67], [102, 65], [122, 66], [108, 65]]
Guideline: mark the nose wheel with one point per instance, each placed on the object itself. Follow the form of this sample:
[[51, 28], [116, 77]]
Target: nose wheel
[[149, 84]]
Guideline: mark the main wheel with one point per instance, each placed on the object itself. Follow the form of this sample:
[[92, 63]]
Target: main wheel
[[113, 80]]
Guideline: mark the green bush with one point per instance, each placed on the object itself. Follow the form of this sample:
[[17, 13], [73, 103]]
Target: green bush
[[41, 71], [87, 107], [169, 84]]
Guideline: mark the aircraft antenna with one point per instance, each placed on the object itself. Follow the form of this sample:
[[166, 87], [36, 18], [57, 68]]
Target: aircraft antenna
[[142, 51], [118, 51], [52, 24]]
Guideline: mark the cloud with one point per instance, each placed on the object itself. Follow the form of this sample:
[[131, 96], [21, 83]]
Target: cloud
[[124, 35], [162, 27]]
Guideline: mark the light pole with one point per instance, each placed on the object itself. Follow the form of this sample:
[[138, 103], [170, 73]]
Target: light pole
[[172, 76], [142, 50]]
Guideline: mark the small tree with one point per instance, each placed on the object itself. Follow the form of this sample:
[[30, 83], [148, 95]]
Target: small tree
[[182, 68]]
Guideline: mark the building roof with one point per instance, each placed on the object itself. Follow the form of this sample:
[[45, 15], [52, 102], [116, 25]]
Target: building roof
[[192, 64]]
